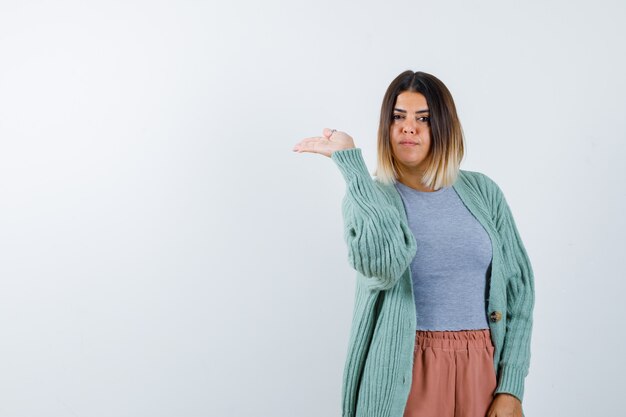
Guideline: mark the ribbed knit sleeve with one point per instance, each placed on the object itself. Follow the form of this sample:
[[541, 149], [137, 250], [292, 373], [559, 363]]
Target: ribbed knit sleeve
[[380, 244], [515, 358]]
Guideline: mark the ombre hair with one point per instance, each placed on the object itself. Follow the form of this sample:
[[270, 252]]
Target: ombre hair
[[446, 135]]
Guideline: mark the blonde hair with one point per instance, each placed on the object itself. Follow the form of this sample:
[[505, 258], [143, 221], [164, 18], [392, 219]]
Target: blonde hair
[[447, 144]]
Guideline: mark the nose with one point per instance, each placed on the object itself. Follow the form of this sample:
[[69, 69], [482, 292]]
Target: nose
[[408, 128]]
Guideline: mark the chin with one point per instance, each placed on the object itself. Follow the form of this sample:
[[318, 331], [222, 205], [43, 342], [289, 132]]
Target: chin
[[413, 162]]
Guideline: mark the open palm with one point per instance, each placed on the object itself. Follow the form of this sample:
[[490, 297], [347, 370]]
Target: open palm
[[329, 142]]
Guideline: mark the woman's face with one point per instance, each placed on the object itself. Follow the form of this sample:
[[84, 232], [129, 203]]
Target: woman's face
[[410, 131]]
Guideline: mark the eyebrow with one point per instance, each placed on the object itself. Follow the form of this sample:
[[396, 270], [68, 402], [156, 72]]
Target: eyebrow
[[419, 111]]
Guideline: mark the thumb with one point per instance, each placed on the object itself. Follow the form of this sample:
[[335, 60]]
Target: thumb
[[328, 132]]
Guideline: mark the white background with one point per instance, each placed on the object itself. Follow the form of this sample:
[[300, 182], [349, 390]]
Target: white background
[[163, 252]]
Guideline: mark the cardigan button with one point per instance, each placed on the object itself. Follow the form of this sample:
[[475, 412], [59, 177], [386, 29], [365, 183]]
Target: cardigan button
[[495, 316]]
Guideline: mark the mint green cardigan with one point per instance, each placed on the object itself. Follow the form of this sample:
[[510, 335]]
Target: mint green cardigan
[[378, 368]]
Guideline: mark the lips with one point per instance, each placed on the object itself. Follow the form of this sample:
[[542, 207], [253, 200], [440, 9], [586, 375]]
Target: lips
[[408, 142]]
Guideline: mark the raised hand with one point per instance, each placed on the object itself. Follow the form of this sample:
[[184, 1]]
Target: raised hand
[[330, 141]]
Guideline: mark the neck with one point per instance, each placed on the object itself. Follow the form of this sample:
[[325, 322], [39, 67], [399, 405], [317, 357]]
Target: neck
[[415, 183]]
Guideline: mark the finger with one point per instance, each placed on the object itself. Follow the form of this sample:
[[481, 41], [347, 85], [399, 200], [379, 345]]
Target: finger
[[303, 142], [329, 132], [310, 144], [308, 141], [312, 138], [312, 147]]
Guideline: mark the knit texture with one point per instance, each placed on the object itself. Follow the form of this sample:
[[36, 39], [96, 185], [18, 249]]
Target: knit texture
[[379, 362]]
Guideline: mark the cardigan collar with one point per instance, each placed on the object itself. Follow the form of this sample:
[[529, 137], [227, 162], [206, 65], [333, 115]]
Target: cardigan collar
[[469, 193]]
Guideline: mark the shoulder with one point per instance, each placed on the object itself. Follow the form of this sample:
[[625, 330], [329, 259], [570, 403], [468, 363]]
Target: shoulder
[[391, 194], [387, 189], [479, 182], [483, 190]]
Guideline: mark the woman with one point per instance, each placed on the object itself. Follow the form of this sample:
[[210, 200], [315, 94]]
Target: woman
[[445, 290]]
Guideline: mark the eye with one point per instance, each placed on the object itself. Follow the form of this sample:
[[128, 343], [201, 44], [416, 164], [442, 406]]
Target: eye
[[396, 116], [424, 119]]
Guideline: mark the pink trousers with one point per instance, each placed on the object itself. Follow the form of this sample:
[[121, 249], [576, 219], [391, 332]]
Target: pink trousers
[[453, 374]]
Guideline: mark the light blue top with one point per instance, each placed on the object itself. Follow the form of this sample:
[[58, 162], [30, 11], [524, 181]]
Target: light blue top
[[451, 264]]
